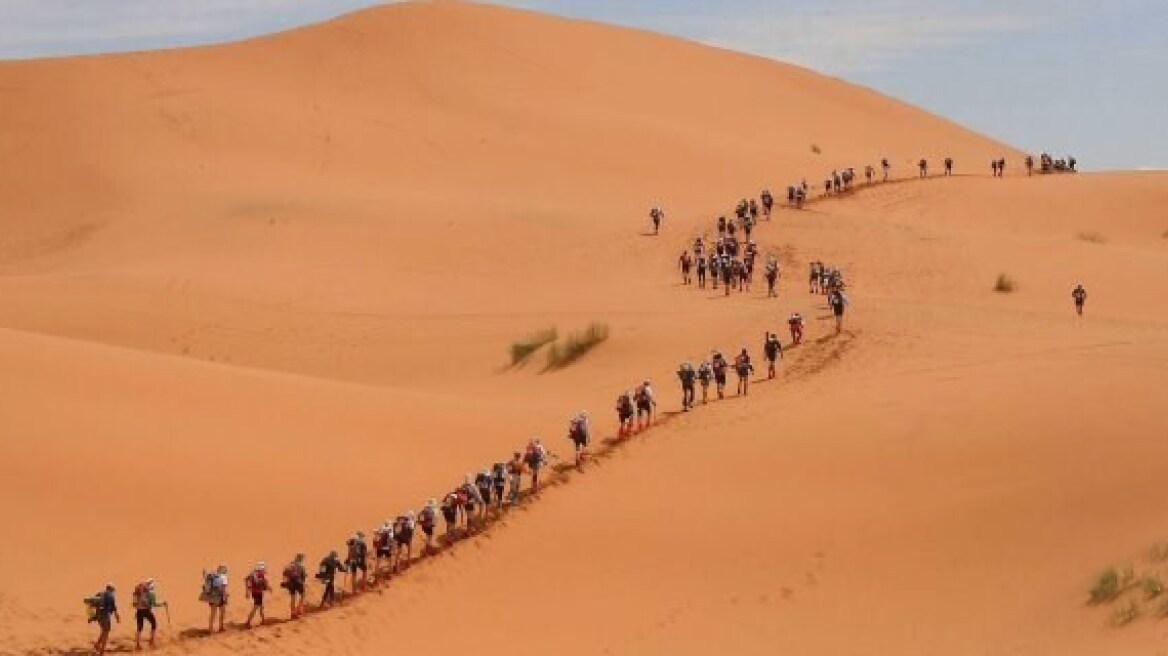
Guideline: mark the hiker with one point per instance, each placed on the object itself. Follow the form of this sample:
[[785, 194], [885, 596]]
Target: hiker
[[103, 606], [791, 196], [813, 277], [1029, 165], [535, 458], [428, 520], [721, 226], [1001, 167], [838, 302], [327, 574], [994, 167], [687, 375], [705, 374], [580, 432], [701, 266], [295, 577], [742, 276], [923, 165], [719, 365], [450, 505], [646, 405], [743, 368], [515, 473], [768, 203], [499, 482], [382, 548], [145, 601], [468, 495], [685, 262], [1071, 163], [1080, 296], [885, 166], [948, 166], [656, 215], [256, 583], [483, 483], [215, 595], [827, 187], [773, 351], [796, 325], [403, 534], [728, 272], [837, 178], [869, 174], [356, 561], [772, 276]]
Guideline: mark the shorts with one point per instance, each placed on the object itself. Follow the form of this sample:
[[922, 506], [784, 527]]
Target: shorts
[[624, 415], [720, 379], [103, 621], [384, 552], [143, 616], [257, 598], [405, 537], [643, 409], [450, 515], [428, 529], [838, 311], [357, 565], [580, 442], [295, 587]]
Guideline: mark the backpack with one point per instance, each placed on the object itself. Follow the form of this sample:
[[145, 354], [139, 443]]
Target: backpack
[[322, 572], [498, 473], [292, 574], [140, 598]]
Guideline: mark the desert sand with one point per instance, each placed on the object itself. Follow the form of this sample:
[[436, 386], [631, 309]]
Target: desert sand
[[256, 296]]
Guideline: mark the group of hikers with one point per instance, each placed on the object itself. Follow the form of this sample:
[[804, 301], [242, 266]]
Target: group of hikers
[[1048, 164]]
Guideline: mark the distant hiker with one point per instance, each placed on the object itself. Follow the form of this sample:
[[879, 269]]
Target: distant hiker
[[1029, 165], [450, 505], [685, 262], [1071, 162], [499, 481], [471, 499], [483, 483], [994, 167], [701, 266], [948, 166], [813, 272], [515, 475], [382, 549], [687, 375], [1002, 167], [827, 187], [772, 276], [145, 601], [403, 534], [580, 432], [103, 606], [885, 166], [773, 351], [768, 202], [295, 577], [743, 271], [796, 325], [716, 267], [791, 195], [215, 595], [356, 560], [838, 302], [656, 215], [1080, 297], [705, 374], [923, 165], [869, 173], [719, 365], [327, 575], [256, 583], [646, 405], [838, 179], [800, 197], [731, 228], [748, 225], [721, 226], [726, 266], [535, 458], [743, 367], [752, 211]]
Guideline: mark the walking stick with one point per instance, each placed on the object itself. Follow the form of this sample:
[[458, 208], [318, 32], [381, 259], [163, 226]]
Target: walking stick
[[166, 605]]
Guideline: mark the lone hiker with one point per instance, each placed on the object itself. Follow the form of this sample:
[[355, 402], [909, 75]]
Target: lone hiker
[[580, 432], [743, 368], [535, 458], [1080, 296], [295, 576], [948, 166], [327, 574], [145, 601], [687, 375], [215, 595], [923, 165], [838, 302], [646, 405], [105, 605], [796, 325], [256, 583], [656, 215], [885, 166], [773, 351], [1029, 165]]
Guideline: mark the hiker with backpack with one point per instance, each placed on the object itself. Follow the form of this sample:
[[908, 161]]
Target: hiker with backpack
[[103, 606], [768, 203], [726, 266], [948, 166], [483, 483], [256, 583], [701, 267], [428, 520], [838, 302], [796, 325], [515, 477], [772, 276], [403, 534], [719, 365], [580, 432], [687, 375], [923, 166], [145, 601], [535, 458], [773, 351], [326, 573], [646, 405], [743, 367], [656, 215], [215, 595], [356, 560], [382, 548], [705, 374], [295, 577], [471, 500], [624, 411], [1079, 295], [499, 482], [685, 263], [450, 504]]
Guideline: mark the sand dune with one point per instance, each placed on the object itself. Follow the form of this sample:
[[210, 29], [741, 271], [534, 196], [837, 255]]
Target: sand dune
[[255, 296]]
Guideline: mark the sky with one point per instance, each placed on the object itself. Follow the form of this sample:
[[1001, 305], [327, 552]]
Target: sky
[[1081, 77]]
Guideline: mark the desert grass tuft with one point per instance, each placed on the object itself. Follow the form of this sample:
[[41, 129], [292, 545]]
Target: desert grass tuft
[[815, 149], [1153, 586], [1106, 587], [1125, 614], [1004, 284], [562, 354], [523, 348], [1092, 237]]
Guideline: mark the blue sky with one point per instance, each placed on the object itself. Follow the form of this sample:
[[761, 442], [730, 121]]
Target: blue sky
[[1089, 77]]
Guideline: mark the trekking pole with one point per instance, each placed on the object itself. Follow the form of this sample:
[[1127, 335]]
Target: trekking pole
[[166, 605]]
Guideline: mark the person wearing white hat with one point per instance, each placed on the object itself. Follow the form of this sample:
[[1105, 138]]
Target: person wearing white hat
[[145, 601], [256, 583], [382, 547]]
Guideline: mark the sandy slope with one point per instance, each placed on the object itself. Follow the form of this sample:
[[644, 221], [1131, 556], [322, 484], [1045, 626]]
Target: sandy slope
[[255, 296]]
